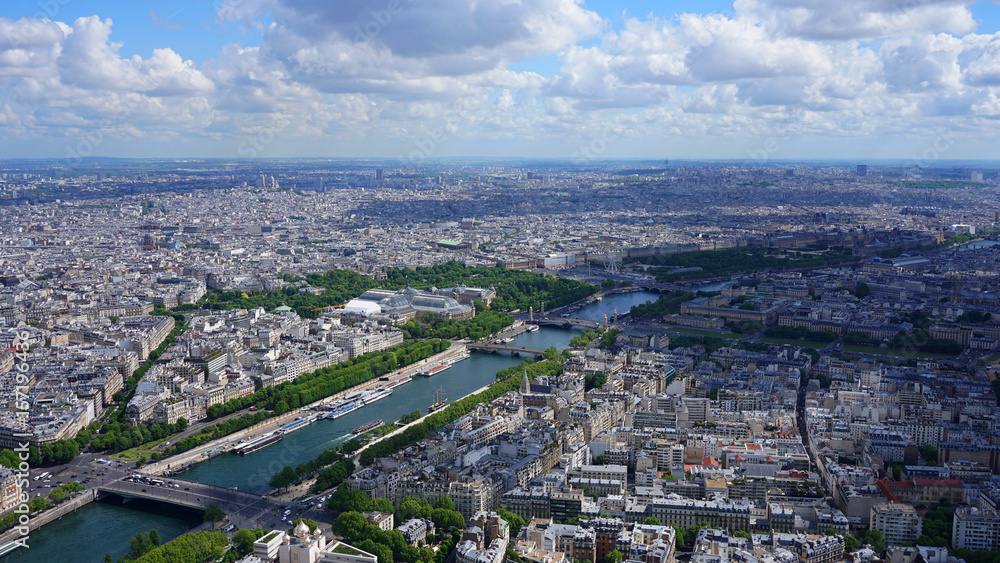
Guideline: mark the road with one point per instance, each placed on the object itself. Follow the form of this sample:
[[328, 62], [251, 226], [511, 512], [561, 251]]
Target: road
[[84, 469], [244, 510]]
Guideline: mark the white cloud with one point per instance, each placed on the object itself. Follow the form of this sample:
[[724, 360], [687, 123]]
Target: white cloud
[[858, 19], [379, 73]]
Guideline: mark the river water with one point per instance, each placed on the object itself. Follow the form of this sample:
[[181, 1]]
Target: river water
[[979, 245], [103, 527], [620, 302], [106, 527]]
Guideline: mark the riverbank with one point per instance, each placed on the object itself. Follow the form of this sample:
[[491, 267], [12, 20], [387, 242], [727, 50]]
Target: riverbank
[[188, 459], [304, 487], [39, 519]]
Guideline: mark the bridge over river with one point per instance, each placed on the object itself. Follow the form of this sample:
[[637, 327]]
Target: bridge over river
[[514, 350], [238, 505], [566, 321]]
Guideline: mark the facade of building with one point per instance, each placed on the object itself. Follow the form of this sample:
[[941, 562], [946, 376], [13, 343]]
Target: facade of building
[[899, 523]]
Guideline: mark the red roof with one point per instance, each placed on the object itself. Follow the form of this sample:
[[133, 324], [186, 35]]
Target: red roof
[[930, 482]]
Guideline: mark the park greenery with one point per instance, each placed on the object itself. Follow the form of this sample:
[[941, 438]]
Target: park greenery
[[799, 333], [584, 338], [485, 323], [505, 381], [120, 436], [665, 304], [516, 289], [608, 339], [195, 547], [711, 343], [718, 263], [331, 466], [340, 286], [322, 383]]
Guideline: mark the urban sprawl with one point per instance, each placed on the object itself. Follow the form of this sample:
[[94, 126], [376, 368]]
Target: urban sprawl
[[814, 378]]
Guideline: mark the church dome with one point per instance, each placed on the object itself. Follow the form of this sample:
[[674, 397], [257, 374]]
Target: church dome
[[302, 530]]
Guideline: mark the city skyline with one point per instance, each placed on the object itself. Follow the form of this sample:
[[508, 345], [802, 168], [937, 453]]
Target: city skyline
[[762, 80]]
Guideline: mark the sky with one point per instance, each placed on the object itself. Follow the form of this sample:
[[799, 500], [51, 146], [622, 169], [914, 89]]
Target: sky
[[763, 80]]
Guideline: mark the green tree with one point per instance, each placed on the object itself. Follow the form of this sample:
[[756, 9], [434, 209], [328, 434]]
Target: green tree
[[851, 543], [154, 537], [139, 545], [873, 538], [515, 521], [411, 507], [652, 520], [380, 550], [213, 513], [862, 290], [929, 453], [445, 503], [615, 556], [243, 541]]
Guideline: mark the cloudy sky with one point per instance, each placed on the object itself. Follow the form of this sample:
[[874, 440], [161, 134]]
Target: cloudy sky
[[762, 79]]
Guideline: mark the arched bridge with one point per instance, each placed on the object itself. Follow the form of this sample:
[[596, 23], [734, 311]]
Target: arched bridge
[[564, 321], [193, 495], [519, 350]]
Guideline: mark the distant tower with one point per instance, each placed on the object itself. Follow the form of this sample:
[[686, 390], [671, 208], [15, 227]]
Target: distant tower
[[378, 175], [862, 170], [525, 384], [666, 162]]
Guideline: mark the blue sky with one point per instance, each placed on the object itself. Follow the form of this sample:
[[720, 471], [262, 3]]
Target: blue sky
[[553, 78]]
